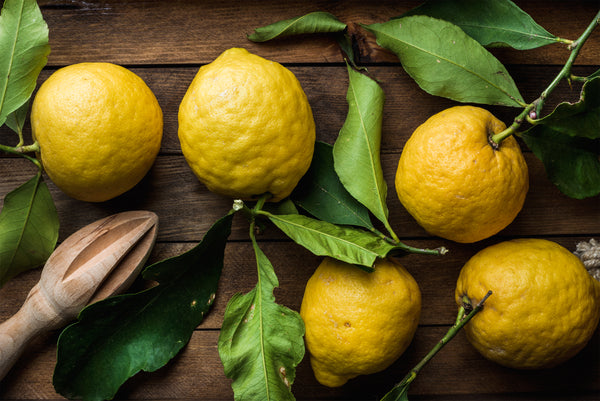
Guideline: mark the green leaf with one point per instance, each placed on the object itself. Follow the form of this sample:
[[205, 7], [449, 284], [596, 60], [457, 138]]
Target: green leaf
[[28, 228], [493, 23], [24, 51], [581, 118], [356, 150], [321, 193], [16, 120], [446, 62], [316, 22], [349, 244], [261, 342], [285, 206], [571, 163], [119, 336]]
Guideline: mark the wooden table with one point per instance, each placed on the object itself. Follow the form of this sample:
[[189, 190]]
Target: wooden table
[[165, 42]]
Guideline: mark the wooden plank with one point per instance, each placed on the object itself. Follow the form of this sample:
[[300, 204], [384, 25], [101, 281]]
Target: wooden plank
[[164, 43], [406, 106], [171, 184], [191, 32], [294, 265], [196, 373]]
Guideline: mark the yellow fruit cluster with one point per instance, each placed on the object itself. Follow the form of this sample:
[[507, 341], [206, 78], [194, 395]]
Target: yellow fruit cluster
[[461, 186], [245, 127], [247, 130]]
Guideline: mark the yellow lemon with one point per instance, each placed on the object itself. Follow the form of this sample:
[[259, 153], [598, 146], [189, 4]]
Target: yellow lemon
[[246, 127], [454, 183], [357, 322], [99, 129], [544, 308]]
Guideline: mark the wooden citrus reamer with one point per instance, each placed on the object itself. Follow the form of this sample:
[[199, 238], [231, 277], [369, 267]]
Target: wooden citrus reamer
[[101, 259]]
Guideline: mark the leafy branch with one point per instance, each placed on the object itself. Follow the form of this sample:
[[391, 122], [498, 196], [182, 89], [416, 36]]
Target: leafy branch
[[261, 342], [533, 110], [442, 46], [28, 221]]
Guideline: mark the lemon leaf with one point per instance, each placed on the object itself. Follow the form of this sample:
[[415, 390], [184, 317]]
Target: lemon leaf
[[316, 22], [578, 119], [321, 193], [446, 62], [261, 342], [493, 23], [28, 228], [24, 51], [16, 120], [356, 150], [349, 244], [571, 162], [116, 338]]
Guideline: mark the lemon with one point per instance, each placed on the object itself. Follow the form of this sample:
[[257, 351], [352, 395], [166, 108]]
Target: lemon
[[358, 323], [246, 127], [99, 129], [454, 183], [544, 308]]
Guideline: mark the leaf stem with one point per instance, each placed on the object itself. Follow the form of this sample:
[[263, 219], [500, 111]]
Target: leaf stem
[[534, 109], [462, 318], [442, 250], [21, 150], [496, 139]]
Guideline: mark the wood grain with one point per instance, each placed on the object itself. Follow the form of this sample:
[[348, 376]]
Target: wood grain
[[196, 373], [406, 105], [436, 275], [165, 42], [171, 184], [190, 32]]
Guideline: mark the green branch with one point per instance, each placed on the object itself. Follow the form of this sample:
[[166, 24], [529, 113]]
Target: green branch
[[22, 150], [534, 109]]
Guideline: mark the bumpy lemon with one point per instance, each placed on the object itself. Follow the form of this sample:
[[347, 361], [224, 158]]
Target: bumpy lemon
[[544, 308], [99, 128], [454, 183], [246, 127], [357, 322]]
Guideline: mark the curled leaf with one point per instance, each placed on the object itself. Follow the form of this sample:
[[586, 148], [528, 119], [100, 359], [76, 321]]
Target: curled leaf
[[316, 22], [578, 119]]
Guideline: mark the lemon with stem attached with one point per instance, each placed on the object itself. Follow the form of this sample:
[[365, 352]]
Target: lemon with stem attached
[[455, 181], [545, 305]]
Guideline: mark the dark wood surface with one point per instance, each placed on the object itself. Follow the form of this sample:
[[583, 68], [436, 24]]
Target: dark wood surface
[[165, 42]]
